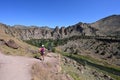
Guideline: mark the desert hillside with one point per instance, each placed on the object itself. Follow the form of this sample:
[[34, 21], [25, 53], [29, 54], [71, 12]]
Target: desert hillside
[[83, 51], [108, 26], [12, 45]]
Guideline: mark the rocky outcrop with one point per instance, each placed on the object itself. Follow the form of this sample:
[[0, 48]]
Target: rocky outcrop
[[82, 69], [26, 33], [30, 33], [12, 44], [109, 51], [109, 26]]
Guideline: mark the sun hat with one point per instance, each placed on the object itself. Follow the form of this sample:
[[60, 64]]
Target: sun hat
[[42, 45]]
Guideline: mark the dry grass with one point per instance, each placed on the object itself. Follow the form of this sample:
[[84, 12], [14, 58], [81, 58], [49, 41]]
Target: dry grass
[[23, 47], [45, 71], [40, 73], [9, 51]]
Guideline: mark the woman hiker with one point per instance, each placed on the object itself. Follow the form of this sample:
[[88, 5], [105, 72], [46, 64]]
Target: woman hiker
[[42, 52]]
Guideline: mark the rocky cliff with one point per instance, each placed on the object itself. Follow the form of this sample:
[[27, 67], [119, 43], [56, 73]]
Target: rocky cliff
[[103, 27], [81, 39], [26, 33]]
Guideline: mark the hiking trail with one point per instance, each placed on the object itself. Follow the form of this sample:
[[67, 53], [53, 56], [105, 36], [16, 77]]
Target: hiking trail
[[19, 67]]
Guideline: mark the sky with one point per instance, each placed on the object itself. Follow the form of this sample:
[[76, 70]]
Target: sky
[[54, 13]]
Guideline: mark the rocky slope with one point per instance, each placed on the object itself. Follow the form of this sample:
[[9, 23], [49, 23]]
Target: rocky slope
[[109, 26], [82, 72], [13, 46], [107, 51]]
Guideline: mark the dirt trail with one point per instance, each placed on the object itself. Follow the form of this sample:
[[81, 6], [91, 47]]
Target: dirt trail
[[17, 67]]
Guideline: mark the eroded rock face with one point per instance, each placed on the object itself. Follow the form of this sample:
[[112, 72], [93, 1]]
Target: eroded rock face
[[103, 27], [109, 51], [26, 33], [82, 69], [11, 43], [30, 33]]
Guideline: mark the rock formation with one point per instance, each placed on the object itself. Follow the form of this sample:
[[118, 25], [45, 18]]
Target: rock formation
[[12, 44], [109, 26]]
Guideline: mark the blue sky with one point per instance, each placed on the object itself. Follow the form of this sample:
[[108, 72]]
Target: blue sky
[[56, 12]]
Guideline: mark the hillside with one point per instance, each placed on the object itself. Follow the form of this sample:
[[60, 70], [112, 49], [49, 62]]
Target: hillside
[[108, 26], [24, 68], [106, 50], [17, 61], [86, 51], [12, 45]]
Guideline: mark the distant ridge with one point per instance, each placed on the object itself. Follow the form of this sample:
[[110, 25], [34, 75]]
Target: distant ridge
[[108, 26]]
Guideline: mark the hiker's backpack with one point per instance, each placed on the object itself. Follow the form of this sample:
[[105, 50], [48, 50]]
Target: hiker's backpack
[[42, 50]]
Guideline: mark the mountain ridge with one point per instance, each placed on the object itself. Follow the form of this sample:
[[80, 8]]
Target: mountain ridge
[[74, 40], [108, 26]]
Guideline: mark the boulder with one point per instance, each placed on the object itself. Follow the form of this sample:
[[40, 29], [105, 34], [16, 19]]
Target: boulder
[[11, 43]]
